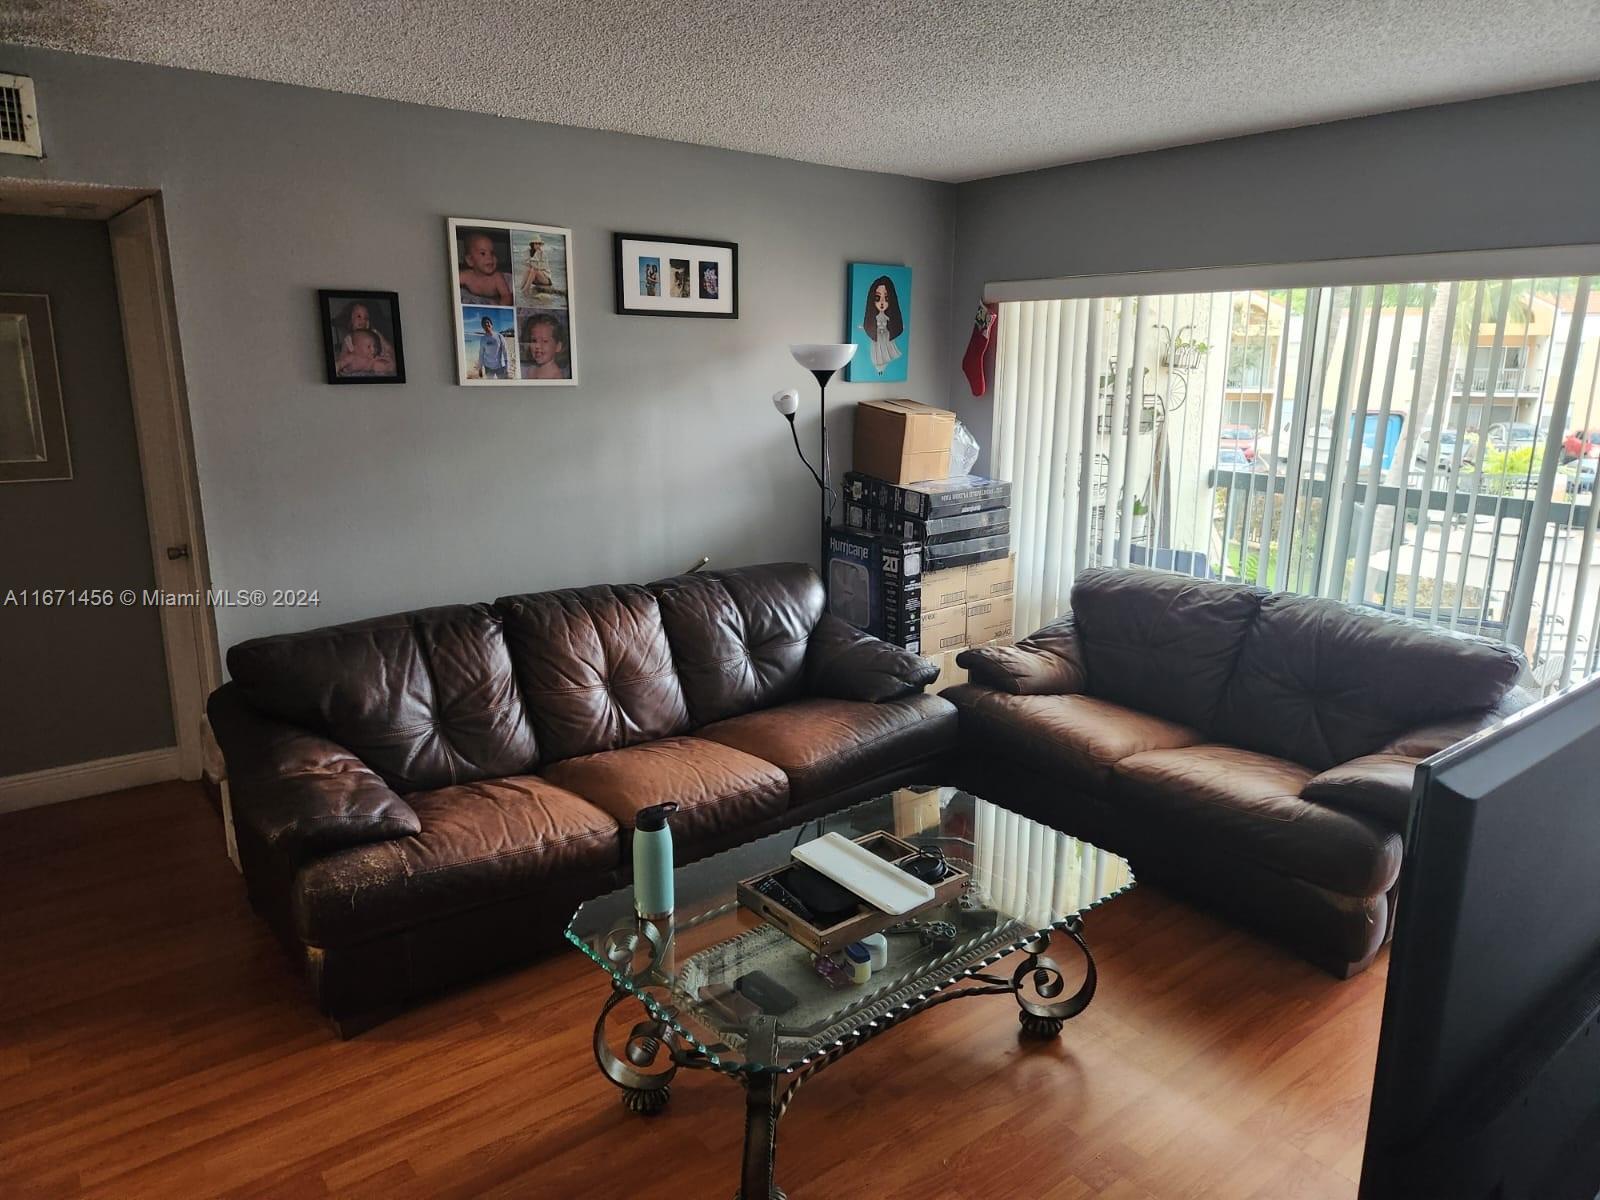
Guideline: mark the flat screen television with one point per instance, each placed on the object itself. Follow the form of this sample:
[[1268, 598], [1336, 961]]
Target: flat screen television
[[1488, 1074]]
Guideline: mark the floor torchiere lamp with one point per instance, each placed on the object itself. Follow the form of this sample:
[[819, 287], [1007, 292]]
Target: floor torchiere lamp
[[822, 359]]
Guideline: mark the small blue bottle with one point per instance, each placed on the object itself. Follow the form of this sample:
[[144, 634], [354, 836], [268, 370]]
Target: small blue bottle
[[652, 863]]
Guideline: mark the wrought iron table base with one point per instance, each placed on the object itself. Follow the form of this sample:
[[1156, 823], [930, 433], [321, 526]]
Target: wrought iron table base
[[1037, 985]]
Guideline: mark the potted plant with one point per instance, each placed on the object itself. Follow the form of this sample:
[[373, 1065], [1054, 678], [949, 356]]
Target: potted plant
[[1187, 353]]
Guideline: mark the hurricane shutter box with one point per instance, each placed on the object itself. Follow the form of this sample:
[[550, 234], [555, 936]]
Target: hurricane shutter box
[[973, 524], [901, 441], [953, 496], [931, 498], [872, 519], [965, 553]]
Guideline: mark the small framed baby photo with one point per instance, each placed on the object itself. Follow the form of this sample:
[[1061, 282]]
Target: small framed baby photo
[[361, 336], [512, 303], [662, 276], [880, 323]]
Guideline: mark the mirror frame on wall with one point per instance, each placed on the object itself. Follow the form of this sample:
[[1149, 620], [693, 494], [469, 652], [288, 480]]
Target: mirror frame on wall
[[46, 415]]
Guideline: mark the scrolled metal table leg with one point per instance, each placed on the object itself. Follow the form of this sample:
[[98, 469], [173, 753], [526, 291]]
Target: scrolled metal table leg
[[760, 1119], [642, 1093], [1044, 1017]]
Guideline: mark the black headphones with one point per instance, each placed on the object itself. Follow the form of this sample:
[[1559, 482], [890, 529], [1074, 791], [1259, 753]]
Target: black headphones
[[928, 865]]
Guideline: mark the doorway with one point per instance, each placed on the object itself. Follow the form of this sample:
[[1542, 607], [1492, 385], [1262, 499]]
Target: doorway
[[107, 643]]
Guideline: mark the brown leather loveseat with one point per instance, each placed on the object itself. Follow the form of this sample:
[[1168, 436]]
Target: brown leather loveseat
[[424, 797], [1252, 750]]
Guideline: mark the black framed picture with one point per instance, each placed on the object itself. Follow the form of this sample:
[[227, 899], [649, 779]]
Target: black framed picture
[[361, 336], [662, 276]]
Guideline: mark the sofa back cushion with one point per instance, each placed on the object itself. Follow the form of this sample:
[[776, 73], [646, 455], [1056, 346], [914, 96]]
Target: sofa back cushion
[[1320, 682], [1159, 643], [595, 668], [426, 699], [739, 636]]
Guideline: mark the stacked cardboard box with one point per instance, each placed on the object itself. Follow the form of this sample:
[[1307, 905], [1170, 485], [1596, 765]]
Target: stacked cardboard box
[[924, 565], [921, 560]]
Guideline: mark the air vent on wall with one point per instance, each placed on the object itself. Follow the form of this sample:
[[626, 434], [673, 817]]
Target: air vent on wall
[[19, 117]]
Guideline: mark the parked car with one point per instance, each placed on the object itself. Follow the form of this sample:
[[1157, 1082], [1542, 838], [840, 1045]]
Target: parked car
[[1512, 435], [1580, 475], [1241, 438], [1446, 455], [1231, 458]]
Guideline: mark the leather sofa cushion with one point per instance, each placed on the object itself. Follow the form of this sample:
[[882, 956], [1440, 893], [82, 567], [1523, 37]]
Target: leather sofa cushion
[[1076, 739], [718, 789], [424, 698], [844, 663], [739, 637], [1320, 682], [297, 792], [1378, 785], [826, 745], [1237, 803], [1159, 643], [481, 843], [1048, 661], [596, 668]]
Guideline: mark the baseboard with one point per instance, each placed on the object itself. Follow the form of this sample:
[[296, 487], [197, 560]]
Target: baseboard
[[73, 782]]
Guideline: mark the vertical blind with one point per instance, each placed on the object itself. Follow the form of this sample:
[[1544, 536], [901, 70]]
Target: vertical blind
[[1421, 448]]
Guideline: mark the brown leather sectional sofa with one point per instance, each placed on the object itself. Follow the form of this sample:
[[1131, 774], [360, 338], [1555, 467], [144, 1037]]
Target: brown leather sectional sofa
[[1252, 750], [424, 797]]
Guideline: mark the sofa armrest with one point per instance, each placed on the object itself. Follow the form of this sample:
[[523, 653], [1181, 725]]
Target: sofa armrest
[[1376, 785], [844, 663], [1428, 740], [1046, 663], [298, 792]]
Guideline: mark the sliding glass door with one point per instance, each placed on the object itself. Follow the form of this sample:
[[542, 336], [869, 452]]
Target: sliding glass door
[[1428, 449]]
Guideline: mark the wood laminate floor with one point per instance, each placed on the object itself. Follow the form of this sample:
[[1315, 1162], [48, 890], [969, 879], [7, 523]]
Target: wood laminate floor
[[155, 1042]]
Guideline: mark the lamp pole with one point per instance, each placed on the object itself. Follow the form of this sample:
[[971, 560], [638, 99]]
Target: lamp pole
[[827, 476], [823, 360]]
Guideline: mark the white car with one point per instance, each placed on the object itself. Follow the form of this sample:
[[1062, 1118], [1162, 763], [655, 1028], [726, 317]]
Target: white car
[[1446, 453]]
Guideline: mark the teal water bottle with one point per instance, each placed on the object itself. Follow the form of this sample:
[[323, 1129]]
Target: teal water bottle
[[652, 863]]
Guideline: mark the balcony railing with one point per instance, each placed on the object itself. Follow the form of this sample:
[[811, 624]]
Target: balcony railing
[[1507, 381]]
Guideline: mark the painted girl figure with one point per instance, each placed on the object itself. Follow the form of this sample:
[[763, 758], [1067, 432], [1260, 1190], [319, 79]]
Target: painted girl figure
[[882, 322]]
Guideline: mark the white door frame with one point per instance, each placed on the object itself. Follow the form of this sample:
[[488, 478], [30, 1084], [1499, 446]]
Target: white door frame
[[166, 466], [166, 462]]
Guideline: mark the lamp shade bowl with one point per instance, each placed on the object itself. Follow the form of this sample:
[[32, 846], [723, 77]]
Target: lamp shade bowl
[[823, 356]]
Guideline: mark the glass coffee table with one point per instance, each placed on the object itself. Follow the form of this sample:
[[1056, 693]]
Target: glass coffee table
[[1027, 882]]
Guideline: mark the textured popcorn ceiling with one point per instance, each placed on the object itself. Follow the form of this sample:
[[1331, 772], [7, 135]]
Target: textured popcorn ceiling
[[937, 89]]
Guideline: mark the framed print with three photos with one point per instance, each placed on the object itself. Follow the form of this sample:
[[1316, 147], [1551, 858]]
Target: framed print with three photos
[[512, 285], [663, 276]]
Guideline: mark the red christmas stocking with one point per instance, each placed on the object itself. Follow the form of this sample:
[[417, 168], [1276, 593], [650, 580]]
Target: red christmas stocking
[[978, 347]]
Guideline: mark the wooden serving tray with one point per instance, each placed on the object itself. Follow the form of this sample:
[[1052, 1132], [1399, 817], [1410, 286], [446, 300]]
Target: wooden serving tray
[[868, 920]]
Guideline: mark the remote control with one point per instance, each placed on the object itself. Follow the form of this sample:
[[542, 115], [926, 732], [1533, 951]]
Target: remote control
[[778, 894]]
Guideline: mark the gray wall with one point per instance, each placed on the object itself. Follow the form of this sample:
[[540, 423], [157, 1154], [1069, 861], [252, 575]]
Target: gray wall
[[81, 683], [1511, 171], [392, 497]]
